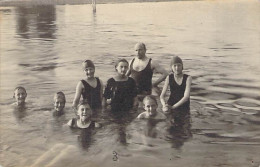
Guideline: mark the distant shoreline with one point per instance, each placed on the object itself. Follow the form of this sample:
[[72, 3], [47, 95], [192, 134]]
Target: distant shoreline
[[70, 2]]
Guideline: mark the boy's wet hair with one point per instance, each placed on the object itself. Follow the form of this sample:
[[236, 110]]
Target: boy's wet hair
[[150, 97], [84, 103], [121, 60], [88, 63], [59, 95], [19, 87]]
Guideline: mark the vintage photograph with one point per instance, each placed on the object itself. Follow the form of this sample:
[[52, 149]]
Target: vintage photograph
[[122, 83]]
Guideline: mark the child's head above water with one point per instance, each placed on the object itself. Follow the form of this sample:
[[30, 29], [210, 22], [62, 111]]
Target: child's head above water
[[150, 105], [20, 95], [121, 66], [176, 65], [84, 111], [59, 101], [89, 68]]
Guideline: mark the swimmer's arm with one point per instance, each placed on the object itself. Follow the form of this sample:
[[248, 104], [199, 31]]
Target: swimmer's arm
[[165, 87], [141, 116], [186, 94], [106, 92], [70, 123], [101, 89], [128, 73], [136, 103], [79, 89], [104, 102], [103, 99], [134, 91], [159, 69]]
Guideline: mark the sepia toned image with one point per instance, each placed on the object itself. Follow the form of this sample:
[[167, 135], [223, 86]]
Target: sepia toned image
[[146, 83]]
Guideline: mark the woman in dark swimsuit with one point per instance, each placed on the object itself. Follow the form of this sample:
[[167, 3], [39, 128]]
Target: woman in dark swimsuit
[[180, 85], [121, 89], [91, 88]]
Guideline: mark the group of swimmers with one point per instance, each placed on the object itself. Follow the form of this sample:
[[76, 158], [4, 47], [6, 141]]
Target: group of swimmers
[[123, 92]]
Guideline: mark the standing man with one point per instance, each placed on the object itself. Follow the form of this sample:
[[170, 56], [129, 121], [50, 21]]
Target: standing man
[[141, 69]]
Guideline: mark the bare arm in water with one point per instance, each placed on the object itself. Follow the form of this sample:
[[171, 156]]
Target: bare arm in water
[[79, 90], [158, 69]]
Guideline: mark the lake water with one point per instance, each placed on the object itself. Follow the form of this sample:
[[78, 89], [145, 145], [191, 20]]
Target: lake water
[[42, 48]]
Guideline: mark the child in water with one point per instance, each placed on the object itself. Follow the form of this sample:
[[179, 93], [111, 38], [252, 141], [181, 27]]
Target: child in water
[[20, 95], [91, 88], [180, 85], [83, 121], [59, 103], [150, 106], [121, 89]]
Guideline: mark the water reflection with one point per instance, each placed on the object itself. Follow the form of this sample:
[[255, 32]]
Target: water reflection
[[122, 134], [150, 128], [179, 128], [36, 32], [121, 120], [36, 22], [19, 112], [85, 138]]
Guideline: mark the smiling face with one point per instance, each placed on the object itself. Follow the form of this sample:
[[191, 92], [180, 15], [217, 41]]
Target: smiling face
[[89, 71], [150, 106], [177, 68], [84, 112], [59, 104], [20, 96], [122, 68], [140, 50]]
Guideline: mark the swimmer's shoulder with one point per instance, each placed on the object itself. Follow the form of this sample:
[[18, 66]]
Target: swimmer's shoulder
[[142, 115]]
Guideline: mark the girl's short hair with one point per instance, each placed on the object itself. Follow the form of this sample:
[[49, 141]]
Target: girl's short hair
[[59, 95], [88, 63], [121, 60], [150, 97]]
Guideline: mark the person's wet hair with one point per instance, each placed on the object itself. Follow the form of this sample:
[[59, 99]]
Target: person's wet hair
[[18, 88], [121, 60], [88, 63], [84, 103], [59, 95], [150, 97]]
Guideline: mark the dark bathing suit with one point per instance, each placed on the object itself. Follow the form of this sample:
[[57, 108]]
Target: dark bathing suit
[[92, 95], [177, 92], [143, 78], [75, 125], [121, 93]]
